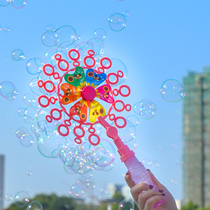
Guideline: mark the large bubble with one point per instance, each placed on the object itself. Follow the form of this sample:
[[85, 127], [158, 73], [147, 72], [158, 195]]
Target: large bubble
[[8, 90], [18, 4], [145, 108], [117, 21], [21, 198], [4, 3], [34, 66], [172, 91], [34, 205]]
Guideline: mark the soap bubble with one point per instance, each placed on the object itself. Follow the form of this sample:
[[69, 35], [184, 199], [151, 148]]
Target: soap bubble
[[20, 131], [18, 4], [29, 99], [103, 154], [34, 86], [125, 13], [34, 205], [117, 21], [6, 29], [65, 34], [132, 120], [34, 66], [8, 197], [21, 111], [26, 140], [29, 172], [49, 38], [97, 45], [17, 55], [30, 114], [145, 108], [126, 205], [50, 27], [77, 190], [172, 91], [4, 3], [174, 181], [8, 90], [21, 199], [100, 33]]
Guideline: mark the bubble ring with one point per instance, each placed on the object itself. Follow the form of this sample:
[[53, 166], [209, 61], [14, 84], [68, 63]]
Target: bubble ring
[[40, 83], [79, 127], [48, 65], [98, 139], [128, 88], [53, 100], [106, 67], [91, 130], [91, 52], [123, 105], [128, 107], [48, 101], [73, 50], [56, 75], [48, 118], [112, 117], [113, 74], [76, 63], [57, 56], [115, 92], [56, 110], [78, 140], [90, 57], [120, 73], [59, 130], [120, 118], [45, 83], [67, 65], [67, 122], [100, 70]]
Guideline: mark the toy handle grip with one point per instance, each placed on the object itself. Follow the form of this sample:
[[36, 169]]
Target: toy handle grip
[[140, 174]]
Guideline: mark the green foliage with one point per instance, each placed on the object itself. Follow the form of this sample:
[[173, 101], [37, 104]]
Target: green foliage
[[192, 206]]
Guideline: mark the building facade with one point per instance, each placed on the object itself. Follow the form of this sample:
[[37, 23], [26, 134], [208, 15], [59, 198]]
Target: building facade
[[196, 132], [1, 181]]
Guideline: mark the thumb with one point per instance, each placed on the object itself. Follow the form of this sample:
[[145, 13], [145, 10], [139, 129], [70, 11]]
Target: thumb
[[155, 181]]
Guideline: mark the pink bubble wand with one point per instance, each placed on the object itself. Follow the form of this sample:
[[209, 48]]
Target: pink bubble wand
[[82, 89]]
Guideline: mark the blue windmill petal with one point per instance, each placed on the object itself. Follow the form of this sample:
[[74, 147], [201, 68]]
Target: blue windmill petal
[[94, 78]]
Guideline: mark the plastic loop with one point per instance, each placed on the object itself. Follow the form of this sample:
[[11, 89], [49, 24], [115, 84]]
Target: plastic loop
[[48, 118], [56, 110], [52, 71], [100, 70], [122, 103], [73, 50], [105, 59], [40, 83], [128, 107], [128, 89], [112, 117], [76, 63], [67, 122], [81, 129], [41, 104], [120, 118], [91, 52], [115, 92], [57, 56], [66, 63], [85, 61], [94, 143], [78, 140], [59, 130], [91, 130], [120, 73], [56, 75], [53, 100], [113, 74]]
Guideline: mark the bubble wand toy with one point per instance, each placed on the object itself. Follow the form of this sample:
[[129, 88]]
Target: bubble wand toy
[[82, 88]]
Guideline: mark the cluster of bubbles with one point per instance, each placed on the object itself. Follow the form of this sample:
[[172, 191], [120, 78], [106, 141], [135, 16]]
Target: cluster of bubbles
[[8, 90], [172, 90], [5, 29], [17, 4], [117, 21], [17, 55], [25, 138], [145, 108]]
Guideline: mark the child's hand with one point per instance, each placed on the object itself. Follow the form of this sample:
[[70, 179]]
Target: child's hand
[[146, 197]]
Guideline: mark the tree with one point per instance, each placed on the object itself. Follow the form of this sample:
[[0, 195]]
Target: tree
[[190, 206]]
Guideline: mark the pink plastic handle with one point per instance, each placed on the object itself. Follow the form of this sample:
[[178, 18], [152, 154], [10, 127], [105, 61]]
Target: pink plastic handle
[[137, 170]]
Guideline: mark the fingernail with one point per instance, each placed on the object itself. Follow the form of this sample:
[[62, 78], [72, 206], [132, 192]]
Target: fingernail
[[148, 170], [161, 191], [150, 186], [127, 173], [163, 194]]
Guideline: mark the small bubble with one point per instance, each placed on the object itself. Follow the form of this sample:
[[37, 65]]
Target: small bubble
[[126, 13], [6, 29], [117, 21], [21, 199], [17, 55], [50, 27], [126, 205], [174, 181], [77, 190], [132, 120], [8, 90], [172, 91], [29, 172], [8, 197], [34, 66], [100, 33], [34, 205]]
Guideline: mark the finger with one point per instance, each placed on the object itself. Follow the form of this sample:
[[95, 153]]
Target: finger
[[138, 189], [155, 181], [143, 197], [129, 180], [152, 201]]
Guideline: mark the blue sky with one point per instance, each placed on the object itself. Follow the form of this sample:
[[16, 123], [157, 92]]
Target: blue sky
[[162, 40]]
